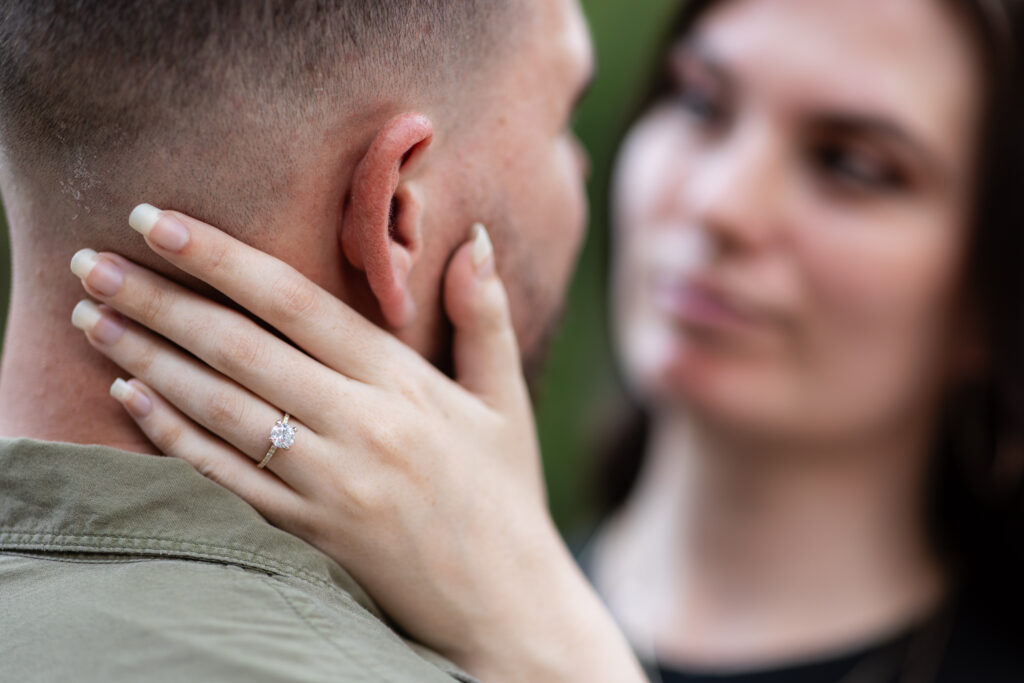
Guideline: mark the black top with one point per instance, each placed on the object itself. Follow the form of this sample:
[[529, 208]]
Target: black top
[[878, 663], [974, 638], [958, 645]]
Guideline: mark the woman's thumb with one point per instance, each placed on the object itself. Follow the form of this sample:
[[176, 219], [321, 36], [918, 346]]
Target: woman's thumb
[[485, 350]]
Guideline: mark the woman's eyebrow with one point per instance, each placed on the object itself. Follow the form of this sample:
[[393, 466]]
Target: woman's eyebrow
[[692, 50], [872, 125]]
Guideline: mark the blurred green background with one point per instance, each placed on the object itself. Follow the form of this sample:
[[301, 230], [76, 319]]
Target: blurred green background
[[578, 393], [578, 389]]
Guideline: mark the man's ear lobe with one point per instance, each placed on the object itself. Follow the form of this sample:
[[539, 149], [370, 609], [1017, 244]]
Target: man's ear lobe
[[381, 232]]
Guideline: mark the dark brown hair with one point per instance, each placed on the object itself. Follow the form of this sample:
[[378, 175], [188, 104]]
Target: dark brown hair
[[977, 494], [89, 86]]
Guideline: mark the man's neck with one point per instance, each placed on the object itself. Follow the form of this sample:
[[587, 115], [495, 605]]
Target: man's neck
[[726, 558], [53, 385]]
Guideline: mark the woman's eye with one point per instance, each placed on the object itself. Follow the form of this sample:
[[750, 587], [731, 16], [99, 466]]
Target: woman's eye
[[701, 104], [857, 169]]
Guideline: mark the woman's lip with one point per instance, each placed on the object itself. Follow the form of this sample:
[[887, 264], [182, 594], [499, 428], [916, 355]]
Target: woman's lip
[[696, 304]]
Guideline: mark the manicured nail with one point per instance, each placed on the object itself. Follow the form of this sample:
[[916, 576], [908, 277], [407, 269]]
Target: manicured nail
[[143, 217], [483, 251], [163, 230], [83, 262], [88, 317], [133, 400], [104, 276]]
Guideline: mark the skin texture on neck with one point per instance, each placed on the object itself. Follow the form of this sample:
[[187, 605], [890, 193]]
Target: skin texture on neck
[[53, 385], [736, 558]]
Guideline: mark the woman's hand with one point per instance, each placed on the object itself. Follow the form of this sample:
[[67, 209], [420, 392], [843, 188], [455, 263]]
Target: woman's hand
[[429, 491]]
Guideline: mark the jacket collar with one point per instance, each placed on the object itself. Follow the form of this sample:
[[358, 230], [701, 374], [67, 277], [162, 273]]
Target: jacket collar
[[67, 498]]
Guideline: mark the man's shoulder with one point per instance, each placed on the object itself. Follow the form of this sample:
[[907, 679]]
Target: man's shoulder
[[105, 617], [117, 566]]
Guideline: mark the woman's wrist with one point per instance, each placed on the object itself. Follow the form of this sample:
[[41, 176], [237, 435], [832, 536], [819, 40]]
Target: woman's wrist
[[552, 628]]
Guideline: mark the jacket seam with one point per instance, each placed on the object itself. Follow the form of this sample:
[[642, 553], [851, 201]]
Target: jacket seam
[[323, 636], [49, 556], [49, 541]]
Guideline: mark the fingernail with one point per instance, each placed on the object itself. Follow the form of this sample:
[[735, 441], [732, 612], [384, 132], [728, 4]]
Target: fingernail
[[143, 217], [163, 230], [483, 251], [102, 275], [133, 400], [88, 317], [83, 262]]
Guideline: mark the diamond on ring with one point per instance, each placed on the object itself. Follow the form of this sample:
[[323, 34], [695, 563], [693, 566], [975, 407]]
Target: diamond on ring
[[283, 434]]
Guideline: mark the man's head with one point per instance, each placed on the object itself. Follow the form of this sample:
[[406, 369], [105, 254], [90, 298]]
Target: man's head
[[356, 139]]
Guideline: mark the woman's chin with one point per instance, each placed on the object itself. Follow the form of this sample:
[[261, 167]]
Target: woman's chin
[[727, 391]]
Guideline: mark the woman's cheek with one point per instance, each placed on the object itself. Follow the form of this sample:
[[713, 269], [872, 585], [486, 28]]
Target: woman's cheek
[[650, 171], [878, 296], [878, 269]]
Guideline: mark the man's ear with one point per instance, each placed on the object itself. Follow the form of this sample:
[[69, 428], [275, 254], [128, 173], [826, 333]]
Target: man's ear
[[381, 232]]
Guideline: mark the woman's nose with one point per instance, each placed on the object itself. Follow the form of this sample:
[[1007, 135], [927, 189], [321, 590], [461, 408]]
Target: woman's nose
[[735, 190]]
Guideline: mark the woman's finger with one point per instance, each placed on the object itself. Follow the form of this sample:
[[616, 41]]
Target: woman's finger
[[177, 436], [485, 349], [215, 402], [318, 322], [226, 340]]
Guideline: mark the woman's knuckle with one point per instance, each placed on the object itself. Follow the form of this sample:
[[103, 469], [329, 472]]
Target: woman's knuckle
[[238, 350], [411, 391], [294, 297], [363, 498], [144, 362], [210, 468], [217, 254], [153, 306], [167, 436], [385, 442], [226, 409]]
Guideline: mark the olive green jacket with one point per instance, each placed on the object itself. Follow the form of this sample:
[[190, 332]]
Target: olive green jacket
[[123, 567]]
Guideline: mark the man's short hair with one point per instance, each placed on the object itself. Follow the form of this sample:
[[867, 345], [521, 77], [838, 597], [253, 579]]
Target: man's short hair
[[86, 86]]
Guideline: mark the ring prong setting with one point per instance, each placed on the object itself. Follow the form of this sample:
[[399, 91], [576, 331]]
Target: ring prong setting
[[282, 435]]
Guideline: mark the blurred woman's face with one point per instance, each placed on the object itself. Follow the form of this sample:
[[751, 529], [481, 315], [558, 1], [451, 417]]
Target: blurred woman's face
[[791, 221]]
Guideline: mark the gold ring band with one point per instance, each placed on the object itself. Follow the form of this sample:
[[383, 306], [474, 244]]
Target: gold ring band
[[267, 457]]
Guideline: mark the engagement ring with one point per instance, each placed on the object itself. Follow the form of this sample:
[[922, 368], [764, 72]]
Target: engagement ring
[[281, 436]]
